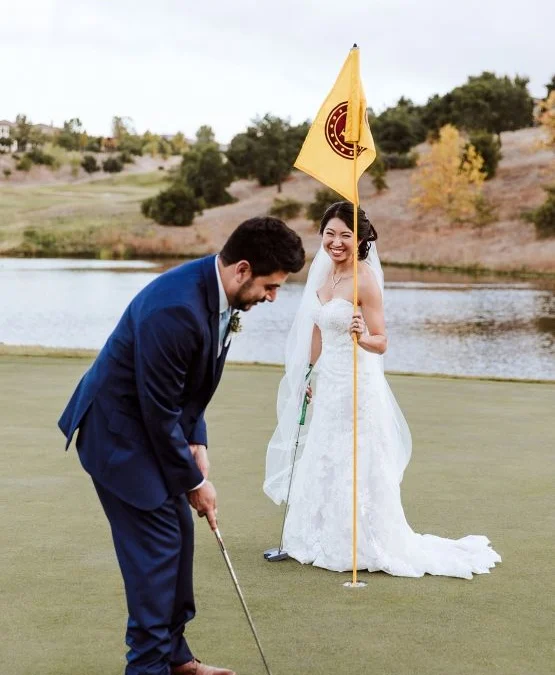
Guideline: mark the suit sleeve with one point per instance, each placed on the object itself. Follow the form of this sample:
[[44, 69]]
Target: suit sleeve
[[166, 342], [198, 434]]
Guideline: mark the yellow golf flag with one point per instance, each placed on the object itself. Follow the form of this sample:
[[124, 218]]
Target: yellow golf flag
[[328, 150]]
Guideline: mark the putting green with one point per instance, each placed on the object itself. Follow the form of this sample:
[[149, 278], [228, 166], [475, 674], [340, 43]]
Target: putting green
[[482, 464]]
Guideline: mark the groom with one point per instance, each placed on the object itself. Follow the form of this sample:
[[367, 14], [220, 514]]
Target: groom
[[142, 435]]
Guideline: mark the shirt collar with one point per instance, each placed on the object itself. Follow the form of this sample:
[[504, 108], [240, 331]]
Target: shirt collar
[[224, 302]]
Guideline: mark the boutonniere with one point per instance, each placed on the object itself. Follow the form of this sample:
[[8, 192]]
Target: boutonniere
[[235, 322]]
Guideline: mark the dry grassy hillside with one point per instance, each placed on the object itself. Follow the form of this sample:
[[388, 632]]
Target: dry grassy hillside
[[101, 216], [406, 237]]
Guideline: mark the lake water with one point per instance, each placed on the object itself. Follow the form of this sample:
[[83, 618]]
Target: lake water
[[437, 323]]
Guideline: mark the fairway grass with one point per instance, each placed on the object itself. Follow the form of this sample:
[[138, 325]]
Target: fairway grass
[[482, 464]]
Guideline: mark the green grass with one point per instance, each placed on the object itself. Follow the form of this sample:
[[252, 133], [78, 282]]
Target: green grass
[[74, 219], [482, 464]]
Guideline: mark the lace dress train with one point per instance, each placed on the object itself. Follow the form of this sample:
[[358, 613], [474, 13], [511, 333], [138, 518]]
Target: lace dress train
[[318, 528]]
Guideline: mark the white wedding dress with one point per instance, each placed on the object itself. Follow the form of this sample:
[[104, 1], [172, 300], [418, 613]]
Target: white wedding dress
[[318, 528]]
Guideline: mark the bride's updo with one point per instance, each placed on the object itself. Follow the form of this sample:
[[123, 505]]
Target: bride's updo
[[345, 211]]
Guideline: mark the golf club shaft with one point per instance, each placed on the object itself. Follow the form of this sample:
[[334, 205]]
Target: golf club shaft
[[241, 598], [301, 423], [289, 489]]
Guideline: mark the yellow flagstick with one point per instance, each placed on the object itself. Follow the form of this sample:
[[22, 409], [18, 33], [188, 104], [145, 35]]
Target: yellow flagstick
[[339, 130], [355, 583], [355, 367]]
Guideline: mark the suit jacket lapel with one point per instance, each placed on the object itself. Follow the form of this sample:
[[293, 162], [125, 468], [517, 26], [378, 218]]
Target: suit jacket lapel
[[213, 303]]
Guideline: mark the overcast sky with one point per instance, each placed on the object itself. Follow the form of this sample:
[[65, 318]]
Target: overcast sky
[[176, 64]]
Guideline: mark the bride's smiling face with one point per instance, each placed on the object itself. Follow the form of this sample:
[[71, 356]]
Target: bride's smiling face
[[338, 241]]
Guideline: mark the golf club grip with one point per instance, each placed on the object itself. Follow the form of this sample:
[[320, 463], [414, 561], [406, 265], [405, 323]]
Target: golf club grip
[[306, 399]]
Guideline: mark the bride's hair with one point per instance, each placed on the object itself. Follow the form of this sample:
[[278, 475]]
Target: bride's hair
[[345, 211]]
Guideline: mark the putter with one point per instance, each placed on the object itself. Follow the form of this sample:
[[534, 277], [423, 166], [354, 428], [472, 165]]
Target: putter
[[241, 598], [277, 554]]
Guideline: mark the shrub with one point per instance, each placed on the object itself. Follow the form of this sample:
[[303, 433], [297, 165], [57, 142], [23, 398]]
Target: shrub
[[378, 172], [323, 198], [544, 216], [112, 165], [285, 208], [90, 164], [396, 160], [126, 157], [94, 144], [175, 206], [74, 163], [7, 173], [488, 147], [486, 212], [24, 164], [37, 156]]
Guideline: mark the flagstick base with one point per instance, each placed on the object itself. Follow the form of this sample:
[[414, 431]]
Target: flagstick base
[[358, 584]]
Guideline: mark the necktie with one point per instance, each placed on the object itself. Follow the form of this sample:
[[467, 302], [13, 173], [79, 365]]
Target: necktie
[[224, 320]]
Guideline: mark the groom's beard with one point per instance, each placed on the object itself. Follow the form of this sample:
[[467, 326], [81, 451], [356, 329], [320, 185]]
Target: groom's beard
[[247, 298]]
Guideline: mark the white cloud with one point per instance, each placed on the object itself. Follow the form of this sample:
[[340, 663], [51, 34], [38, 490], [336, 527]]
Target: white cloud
[[178, 64]]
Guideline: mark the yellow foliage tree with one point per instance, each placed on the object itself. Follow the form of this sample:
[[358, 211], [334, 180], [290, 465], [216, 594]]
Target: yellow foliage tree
[[547, 118], [449, 178]]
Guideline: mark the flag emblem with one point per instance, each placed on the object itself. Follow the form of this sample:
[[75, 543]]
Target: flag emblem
[[335, 132]]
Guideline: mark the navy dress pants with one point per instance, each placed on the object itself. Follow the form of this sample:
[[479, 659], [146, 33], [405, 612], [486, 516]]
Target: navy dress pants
[[155, 555]]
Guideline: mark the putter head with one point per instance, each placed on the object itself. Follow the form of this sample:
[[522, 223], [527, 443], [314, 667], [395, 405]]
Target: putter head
[[276, 554], [270, 551]]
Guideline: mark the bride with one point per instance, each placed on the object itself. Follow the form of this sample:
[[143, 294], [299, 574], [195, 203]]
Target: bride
[[318, 527]]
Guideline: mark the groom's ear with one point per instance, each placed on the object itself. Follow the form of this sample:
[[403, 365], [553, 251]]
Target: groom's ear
[[243, 270]]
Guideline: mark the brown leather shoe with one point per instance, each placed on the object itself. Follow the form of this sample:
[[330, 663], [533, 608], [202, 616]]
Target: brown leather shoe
[[195, 667]]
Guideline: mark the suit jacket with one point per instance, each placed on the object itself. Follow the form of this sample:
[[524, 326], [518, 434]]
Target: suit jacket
[[143, 399]]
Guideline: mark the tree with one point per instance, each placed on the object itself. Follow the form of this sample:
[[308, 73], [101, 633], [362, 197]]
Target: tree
[[178, 144], [399, 128], [485, 101], [175, 206], [200, 182], [544, 216], [547, 119], [449, 178], [70, 137], [204, 171], [267, 150], [488, 147], [205, 136], [94, 144], [241, 154], [122, 126], [550, 86], [21, 132]]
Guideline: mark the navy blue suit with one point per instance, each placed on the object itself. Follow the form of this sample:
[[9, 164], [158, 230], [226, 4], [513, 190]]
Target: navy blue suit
[[137, 409]]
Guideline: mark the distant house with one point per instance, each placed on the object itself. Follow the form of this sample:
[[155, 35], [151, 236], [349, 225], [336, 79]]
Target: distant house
[[5, 127], [108, 144], [47, 129]]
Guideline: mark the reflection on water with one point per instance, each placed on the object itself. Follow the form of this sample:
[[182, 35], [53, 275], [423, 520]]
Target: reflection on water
[[437, 322]]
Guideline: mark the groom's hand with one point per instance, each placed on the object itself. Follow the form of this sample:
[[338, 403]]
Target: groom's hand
[[203, 500], [200, 453]]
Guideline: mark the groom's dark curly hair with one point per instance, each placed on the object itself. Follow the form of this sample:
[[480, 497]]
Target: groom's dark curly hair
[[267, 244]]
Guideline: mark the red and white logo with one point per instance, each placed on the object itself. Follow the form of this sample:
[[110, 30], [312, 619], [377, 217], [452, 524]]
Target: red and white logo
[[335, 133]]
